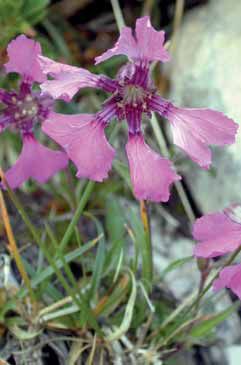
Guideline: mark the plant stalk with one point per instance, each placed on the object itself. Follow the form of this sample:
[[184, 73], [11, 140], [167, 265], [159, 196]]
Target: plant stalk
[[14, 249], [147, 262]]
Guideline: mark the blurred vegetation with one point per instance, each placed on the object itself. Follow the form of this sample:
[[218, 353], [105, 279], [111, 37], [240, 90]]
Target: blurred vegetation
[[19, 17]]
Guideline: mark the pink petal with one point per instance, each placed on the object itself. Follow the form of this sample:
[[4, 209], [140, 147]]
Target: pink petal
[[150, 42], [229, 277], [195, 129], [84, 140], [217, 235], [53, 68], [63, 128], [23, 58], [67, 79], [35, 161], [147, 44], [151, 175], [126, 45]]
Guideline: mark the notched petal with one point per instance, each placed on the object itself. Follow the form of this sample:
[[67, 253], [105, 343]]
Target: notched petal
[[35, 161], [84, 140], [151, 174], [23, 55], [216, 234]]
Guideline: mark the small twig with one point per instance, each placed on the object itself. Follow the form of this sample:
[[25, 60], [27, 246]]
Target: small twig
[[147, 7], [12, 243], [147, 262]]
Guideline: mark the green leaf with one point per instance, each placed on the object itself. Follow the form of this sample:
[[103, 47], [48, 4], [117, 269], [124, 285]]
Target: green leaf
[[31, 6], [114, 219], [115, 225], [18, 16], [118, 294], [49, 271], [126, 322], [203, 328], [123, 170], [176, 264], [58, 39], [98, 268], [22, 334]]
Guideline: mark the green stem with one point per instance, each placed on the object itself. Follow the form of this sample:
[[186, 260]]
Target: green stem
[[82, 203], [208, 286], [24, 215], [147, 261], [118, 14], [147, 7]]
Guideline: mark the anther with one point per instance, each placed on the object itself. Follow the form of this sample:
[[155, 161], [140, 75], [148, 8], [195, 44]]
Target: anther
[[28, 98]]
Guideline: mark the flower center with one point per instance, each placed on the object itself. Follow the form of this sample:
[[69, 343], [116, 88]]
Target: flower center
[[134, 95], [26, 108]]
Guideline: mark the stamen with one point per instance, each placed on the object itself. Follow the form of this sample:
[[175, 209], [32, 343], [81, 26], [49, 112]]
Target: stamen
[[28, 98]]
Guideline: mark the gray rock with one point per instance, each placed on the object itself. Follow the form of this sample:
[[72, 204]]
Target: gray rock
[[234, 354], [206, 73]]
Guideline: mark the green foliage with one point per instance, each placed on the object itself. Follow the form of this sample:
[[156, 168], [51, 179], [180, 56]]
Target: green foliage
[[205, 326], [18, 17]]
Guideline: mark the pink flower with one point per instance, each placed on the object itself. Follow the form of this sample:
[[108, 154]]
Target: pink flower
[[23, 109], [69, 79], [35, 161], [151, 174], [133, 96], [195, 129], [23, 58], [83, 138], [229, 277], [217, 234], [146, 44]]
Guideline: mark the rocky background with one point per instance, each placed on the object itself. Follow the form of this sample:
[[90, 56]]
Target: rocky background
[[206, 71]]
